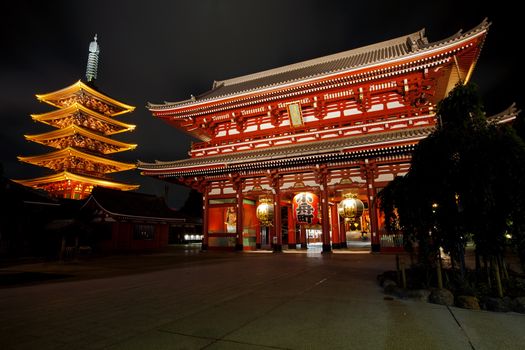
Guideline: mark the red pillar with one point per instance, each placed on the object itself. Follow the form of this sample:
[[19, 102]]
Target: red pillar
[[336, 242], [240, 211], [374, 223], [304, 245], [371, 194], [71, 190], [257, 234], [204, 245], [342, 229], [325, 224], [278, 246], [291, 230]]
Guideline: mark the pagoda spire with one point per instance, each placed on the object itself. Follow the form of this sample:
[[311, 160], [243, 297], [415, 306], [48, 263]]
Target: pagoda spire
[[92, 63]]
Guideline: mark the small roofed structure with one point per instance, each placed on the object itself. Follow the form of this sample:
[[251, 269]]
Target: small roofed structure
[[129, 221]]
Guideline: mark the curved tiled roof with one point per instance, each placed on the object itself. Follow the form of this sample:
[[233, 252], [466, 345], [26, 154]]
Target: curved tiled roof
[[505, 116], [286, 152], [75, 129], [65, 176], [361, 57], [328, 64], [133, 204], [70, 152], [76, 107], [71, 90]]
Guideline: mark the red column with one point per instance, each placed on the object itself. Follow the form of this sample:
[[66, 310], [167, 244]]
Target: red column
[[336, 242], [257, 234], [291, 230], [342, 229], [240, 210], [278, 246], [304, 245], [204, 245], [374, 223], [370, 190], [325, 224]]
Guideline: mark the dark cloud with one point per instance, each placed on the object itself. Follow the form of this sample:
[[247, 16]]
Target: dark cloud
[[167, 50]]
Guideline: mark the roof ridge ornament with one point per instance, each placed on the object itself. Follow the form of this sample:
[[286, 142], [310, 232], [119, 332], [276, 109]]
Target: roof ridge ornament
[[92, 63]]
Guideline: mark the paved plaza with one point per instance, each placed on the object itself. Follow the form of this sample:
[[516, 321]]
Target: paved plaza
[[183, 299]]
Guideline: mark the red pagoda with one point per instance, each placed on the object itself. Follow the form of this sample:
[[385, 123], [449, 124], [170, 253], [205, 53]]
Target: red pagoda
[[338, 126]]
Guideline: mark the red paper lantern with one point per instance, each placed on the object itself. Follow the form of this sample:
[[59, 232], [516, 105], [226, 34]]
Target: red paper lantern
[[306, 208]]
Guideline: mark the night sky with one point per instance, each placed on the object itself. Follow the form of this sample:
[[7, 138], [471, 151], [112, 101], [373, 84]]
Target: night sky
[[166, 50]]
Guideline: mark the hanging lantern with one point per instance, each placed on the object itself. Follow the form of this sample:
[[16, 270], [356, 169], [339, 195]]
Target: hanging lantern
[[265, 212], [351, 207], [306, 208]]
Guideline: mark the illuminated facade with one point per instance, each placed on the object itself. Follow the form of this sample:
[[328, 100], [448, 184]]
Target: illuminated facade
[[84, 122], [331, 127]]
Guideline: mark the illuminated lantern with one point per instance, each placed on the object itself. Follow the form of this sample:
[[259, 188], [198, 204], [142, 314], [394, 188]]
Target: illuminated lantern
[[306, 208], [351, 207], [265, 212]]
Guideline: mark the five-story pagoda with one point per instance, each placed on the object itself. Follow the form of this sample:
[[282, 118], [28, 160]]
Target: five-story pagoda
[[85, 120]]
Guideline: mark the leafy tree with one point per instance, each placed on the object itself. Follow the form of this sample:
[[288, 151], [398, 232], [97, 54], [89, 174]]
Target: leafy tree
[[462, 180], [517, 228]]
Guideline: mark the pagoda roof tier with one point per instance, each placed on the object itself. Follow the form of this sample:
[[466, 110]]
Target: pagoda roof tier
[[388, 58], [77, 161], [85, 95], [76, 136], [309, 152], [67, 176], [77, 114]]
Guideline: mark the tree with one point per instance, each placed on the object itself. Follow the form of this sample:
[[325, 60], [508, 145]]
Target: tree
[[517, 226], [462, 179]]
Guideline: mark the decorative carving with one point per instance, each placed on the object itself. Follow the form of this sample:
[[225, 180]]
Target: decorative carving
[[84, 120], [369, 170], [274, 117], [90, 102], [240, 124], [276, 179], [82, 142], [322, 175]]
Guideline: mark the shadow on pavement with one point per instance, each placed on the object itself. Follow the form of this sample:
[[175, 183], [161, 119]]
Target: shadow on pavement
[[20, 278]]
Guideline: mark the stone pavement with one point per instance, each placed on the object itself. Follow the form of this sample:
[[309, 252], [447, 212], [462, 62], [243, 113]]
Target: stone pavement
[[189, 300]]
